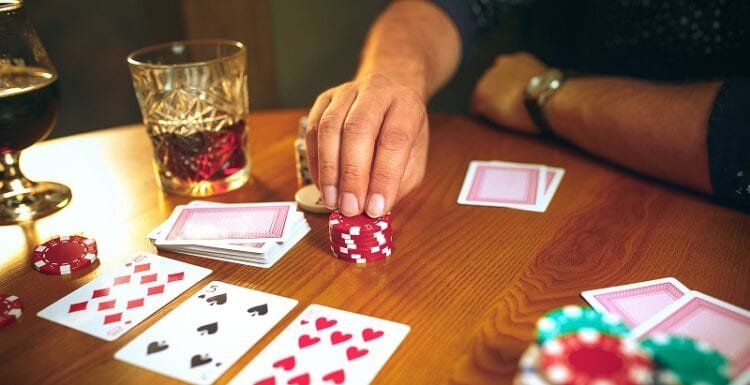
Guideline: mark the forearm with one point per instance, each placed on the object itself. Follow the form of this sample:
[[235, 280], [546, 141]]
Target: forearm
[[656, 129], [413, 43]]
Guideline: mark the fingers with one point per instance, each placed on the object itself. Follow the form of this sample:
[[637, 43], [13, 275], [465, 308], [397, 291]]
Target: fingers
[[359, 132], [329, 142], [311, 136], [403, 122]]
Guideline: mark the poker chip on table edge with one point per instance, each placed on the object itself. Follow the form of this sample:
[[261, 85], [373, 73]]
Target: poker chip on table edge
[[308, 198], [358, 224], [685, 361], [45, 259], [11, 309], [570, 318], [559, 358]]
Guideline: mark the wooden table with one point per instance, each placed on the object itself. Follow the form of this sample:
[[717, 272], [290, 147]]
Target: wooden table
[[470, 281]]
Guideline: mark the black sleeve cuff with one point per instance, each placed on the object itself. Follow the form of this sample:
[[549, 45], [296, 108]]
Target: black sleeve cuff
[[729, 143]]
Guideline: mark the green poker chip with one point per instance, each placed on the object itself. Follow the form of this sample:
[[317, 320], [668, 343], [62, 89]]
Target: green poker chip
[[684, 361], [571, 319]]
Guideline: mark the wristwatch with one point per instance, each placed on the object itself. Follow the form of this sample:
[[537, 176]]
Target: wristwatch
[[538, 91]]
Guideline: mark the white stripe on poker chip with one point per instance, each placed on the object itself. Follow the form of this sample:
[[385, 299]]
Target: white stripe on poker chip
[[375, 249], [11, 298], [88, 242], [558, 374], [382, 225], [39, 263], [354, 230], [572, 311], [545, 324], [589, 336], [41, 248], [90, 257], [15, 313], [343, 250], [334, 222], [65, 269], [640, 375], [553, 347], [64, 238]]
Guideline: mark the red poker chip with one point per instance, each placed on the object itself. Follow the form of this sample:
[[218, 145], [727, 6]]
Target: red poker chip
[[364, 243], [367, 260], [387, 250], [64, 254], [11, 309], [589, 357], [369, 235], [358, 224]]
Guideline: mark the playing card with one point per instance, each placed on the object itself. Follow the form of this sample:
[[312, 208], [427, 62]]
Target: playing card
[[721, 325], [552, 179], [252, 222], [125, 295], [505, 184], [200, 339], [635, 303], [325, 345]]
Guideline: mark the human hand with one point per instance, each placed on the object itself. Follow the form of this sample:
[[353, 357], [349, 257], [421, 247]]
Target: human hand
[[367, 144], [499, 93]]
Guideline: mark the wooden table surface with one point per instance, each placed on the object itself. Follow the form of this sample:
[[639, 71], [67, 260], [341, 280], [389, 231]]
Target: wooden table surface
[[470, 281]]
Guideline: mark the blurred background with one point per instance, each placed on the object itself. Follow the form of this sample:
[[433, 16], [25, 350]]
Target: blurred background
[[296, 49]]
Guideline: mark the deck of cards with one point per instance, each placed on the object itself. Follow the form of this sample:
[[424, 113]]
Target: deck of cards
[[519, 186], [255, 234]]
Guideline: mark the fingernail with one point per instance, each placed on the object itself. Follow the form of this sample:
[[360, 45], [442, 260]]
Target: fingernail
[[349, 205], [375, 205], [329, 197]]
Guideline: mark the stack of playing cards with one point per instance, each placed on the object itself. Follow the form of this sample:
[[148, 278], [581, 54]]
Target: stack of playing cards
[[666, 306], [255, 234], [518, 186]]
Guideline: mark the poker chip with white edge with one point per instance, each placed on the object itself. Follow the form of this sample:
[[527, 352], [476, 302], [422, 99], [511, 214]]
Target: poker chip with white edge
[[590, 357], [64, 254], [358, 224], [11, 309]]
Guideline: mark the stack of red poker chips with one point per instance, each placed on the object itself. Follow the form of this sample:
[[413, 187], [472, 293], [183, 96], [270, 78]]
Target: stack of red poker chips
[[11, 309], [360, 239]]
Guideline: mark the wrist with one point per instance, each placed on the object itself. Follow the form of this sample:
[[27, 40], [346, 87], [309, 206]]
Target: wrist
[[539, 90]]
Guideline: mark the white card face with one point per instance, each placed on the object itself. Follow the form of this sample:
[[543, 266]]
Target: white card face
[[507, 184], [125, 295], [199, 340], [250, 222], [718, 324], [637, 302], [325, 346]]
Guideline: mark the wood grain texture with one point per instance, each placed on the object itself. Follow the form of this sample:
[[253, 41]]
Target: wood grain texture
[[470, 281]]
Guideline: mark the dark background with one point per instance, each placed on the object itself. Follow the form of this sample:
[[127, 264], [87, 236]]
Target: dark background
[[296, 49]]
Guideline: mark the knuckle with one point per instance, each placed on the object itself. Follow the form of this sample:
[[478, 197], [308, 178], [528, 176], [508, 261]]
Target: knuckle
[[327, 168], [351, 173], [384, 176], [328, 124], [357, 125], [395, 139]]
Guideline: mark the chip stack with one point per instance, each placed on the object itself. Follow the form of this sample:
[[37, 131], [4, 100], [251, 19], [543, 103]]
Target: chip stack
[[579, 345], [360, 239], [300, 151]]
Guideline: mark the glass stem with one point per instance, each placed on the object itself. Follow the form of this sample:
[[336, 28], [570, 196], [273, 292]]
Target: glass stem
[[11, 177]]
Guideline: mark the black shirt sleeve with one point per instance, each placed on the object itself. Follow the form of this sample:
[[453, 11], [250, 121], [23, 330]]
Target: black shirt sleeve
[[476, 18], [729, 143]]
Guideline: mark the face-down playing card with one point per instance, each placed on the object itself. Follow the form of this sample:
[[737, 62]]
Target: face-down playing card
[[125, 295], [204, 336], [325, 346]]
